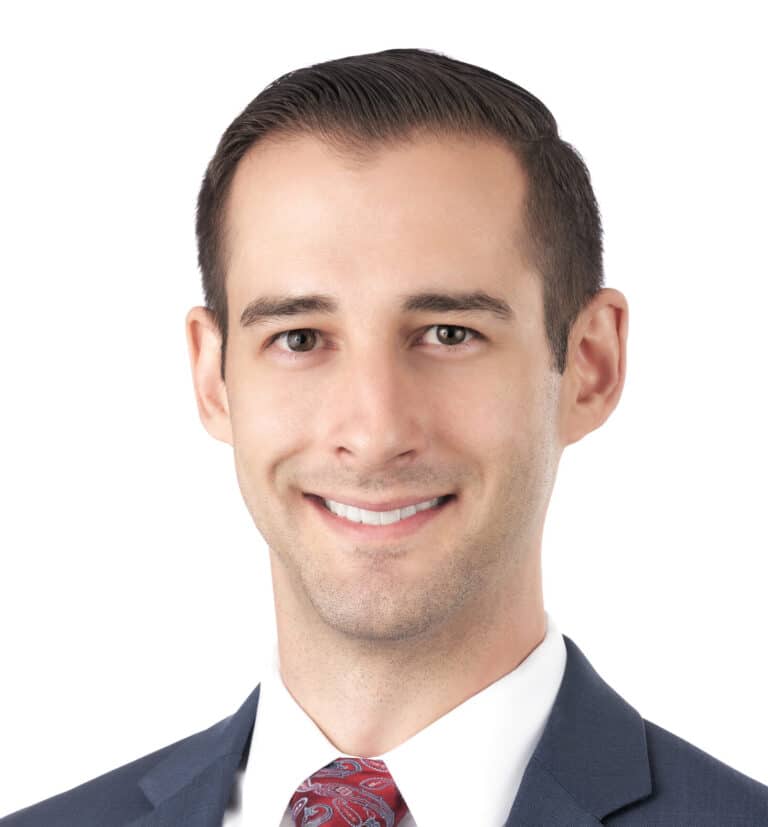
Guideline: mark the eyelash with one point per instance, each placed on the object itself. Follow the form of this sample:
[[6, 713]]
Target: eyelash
[[293, 354]]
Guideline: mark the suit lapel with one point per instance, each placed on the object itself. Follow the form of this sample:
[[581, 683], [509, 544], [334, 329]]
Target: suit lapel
[[192, 785], [591, 759], [200, 803], [541, 800]]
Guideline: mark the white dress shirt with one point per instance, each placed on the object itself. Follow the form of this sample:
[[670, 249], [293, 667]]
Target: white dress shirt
[[463, 768]]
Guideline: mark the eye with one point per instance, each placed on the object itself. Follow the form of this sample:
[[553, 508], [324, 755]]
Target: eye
[[298, 337], [453, 335], [302, 340]]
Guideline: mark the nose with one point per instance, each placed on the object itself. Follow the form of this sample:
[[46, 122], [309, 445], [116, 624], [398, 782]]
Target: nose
[[377, 411]]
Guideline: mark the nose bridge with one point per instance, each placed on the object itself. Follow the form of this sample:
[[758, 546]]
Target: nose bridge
[[374, 404]]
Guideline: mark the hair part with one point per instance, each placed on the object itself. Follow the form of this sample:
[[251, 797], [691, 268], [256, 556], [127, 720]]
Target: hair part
[[362, 104]]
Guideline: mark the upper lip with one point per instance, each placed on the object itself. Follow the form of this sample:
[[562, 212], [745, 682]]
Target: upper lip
[[385, 505]]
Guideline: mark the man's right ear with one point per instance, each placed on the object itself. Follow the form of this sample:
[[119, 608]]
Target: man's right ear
[[204, 343]]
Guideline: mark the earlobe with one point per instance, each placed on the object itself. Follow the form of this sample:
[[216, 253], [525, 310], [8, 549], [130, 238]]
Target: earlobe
[[596, 366], [204, 345]]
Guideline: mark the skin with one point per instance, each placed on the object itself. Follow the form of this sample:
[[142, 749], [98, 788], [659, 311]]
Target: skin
[[376, 641]]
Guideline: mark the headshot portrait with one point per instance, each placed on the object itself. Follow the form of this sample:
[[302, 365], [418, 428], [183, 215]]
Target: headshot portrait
[[465, 588]]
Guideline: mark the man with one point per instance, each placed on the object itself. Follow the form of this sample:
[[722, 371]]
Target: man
[[405, 324]]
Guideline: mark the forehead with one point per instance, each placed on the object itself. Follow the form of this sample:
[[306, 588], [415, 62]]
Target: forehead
[[445, 209]]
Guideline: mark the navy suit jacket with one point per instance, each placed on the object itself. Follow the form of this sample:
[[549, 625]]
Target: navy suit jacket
[[598, 762]]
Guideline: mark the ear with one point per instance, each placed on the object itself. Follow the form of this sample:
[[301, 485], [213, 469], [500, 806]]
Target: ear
[[596, 365], [204, 343]]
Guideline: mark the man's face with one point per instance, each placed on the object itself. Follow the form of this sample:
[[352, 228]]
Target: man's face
[[376, 403]]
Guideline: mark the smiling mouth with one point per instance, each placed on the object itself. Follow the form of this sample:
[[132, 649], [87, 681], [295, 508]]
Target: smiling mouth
[[365, 517], [399, 502]]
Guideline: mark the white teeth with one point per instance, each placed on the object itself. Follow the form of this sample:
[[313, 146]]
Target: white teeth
[[361, 515]]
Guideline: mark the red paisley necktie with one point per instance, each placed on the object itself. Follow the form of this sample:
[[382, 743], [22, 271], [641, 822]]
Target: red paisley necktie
[[357, 792]]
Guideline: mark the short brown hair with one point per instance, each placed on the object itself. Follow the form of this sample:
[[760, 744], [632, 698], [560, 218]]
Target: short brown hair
[[361, 103]]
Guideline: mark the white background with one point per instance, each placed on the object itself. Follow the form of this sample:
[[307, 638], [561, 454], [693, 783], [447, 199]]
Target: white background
[[135, 598]]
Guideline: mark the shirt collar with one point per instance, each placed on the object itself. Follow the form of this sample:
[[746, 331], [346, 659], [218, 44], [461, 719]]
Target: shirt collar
[[481, 747]]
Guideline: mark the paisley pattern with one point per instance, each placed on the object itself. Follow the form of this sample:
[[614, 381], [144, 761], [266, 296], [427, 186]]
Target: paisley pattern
[[349, 792]]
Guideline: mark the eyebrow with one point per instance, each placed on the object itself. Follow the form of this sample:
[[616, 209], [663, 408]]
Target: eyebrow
[[269, 308]]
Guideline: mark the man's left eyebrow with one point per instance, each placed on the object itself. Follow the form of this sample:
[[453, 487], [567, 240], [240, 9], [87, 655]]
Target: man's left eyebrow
[[269, 308]]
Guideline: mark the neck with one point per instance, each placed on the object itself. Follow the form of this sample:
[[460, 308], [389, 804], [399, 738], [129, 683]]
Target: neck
[[369, 696]]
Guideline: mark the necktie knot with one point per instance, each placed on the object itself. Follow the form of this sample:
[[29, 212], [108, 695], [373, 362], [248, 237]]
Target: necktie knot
[[349, 791]]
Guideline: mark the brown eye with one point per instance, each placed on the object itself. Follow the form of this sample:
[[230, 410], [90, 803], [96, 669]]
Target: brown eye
[[450, 334], [300, 341]]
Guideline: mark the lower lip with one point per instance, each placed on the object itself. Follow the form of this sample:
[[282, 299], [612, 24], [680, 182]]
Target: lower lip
[[394, 531]]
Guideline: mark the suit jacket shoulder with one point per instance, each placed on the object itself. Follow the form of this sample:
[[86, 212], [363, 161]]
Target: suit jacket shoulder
[[691, 787], [151, 789], [599, 762], [95, 802]]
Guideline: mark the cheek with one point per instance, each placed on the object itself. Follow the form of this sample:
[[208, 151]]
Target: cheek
[[495, 414], [265, 407]]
